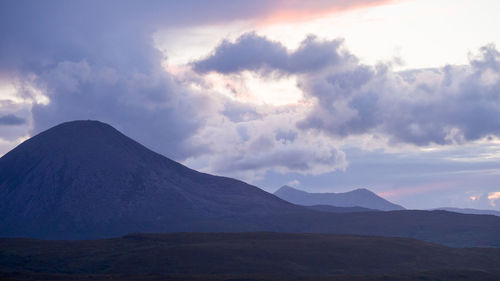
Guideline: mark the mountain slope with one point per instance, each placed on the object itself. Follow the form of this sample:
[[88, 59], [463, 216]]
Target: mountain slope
[[356, 198], [85, 179]]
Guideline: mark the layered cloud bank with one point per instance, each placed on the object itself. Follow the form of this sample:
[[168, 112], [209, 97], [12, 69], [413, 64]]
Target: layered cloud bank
[[448, 105], [92, 60]]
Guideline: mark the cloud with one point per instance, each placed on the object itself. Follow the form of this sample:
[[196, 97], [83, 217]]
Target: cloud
[[249, 52], [293, 183], [300, 159], [493, 197], [250, 148], [257, 53], [14, 122], [11, 120], [285, 136], [449, 105], [135, 103]]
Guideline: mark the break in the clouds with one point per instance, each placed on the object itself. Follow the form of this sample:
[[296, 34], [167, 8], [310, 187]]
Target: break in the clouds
[[448, 105]]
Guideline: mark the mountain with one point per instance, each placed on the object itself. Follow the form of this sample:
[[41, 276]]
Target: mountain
[[470, 211], [357, 198], [86, 180]]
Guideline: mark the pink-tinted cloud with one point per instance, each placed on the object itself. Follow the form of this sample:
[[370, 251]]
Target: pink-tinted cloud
[[296, 10], [493, 197]]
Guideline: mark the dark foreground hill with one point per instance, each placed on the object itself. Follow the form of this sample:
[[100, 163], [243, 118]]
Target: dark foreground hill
[[86, 180], [245, 254], [361, 197], [441, 275]]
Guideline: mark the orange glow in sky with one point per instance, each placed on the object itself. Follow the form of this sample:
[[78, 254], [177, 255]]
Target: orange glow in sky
[[305, 12]]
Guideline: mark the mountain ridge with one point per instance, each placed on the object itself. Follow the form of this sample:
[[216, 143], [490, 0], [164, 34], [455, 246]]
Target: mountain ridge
[[360, 197]]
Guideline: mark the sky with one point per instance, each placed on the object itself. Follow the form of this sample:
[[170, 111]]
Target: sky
[[401, 97]]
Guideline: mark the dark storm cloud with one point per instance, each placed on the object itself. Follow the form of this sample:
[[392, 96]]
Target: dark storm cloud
[[257, 53]]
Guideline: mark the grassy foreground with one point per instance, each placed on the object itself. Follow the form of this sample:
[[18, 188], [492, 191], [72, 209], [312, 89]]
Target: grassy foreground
[[244, 256]]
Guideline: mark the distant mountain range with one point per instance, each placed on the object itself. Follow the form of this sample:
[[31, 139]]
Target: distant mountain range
[[357, 198], [84, 179]]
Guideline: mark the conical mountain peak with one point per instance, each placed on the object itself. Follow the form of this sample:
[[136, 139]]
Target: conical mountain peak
[[85, 179]]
